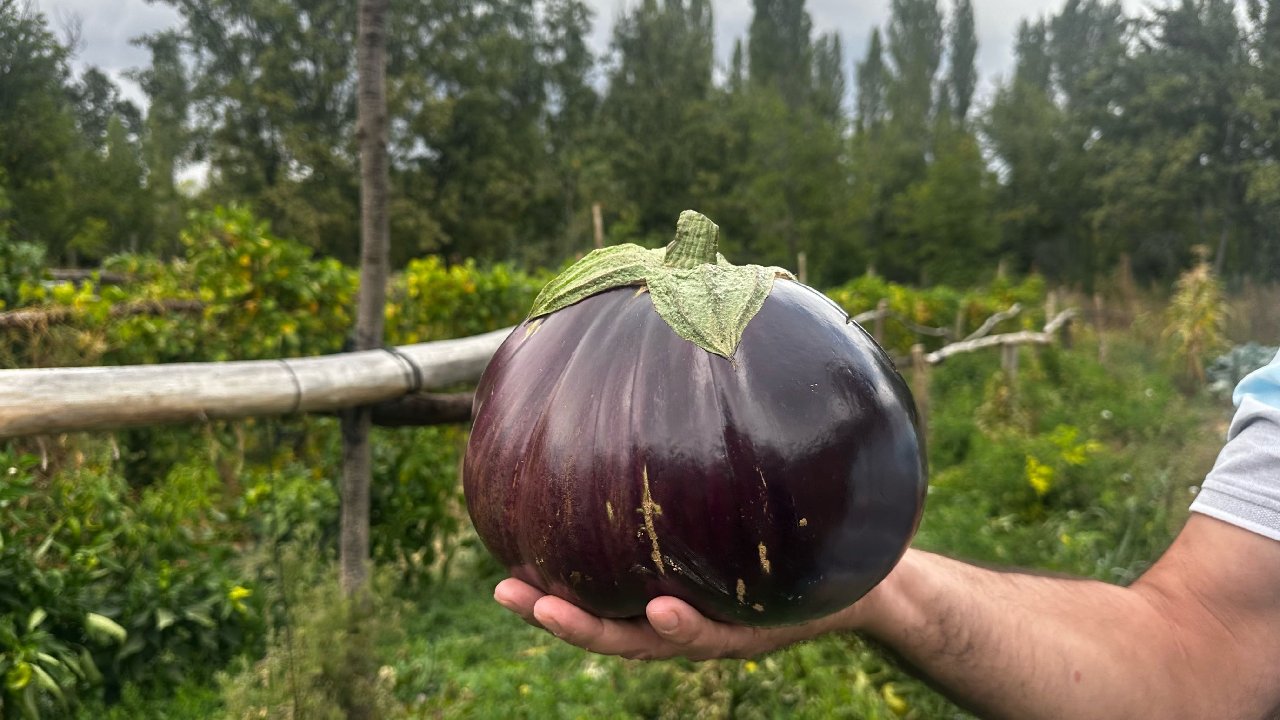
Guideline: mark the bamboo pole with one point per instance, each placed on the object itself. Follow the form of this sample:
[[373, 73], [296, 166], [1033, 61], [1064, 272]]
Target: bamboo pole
[[34, 402]]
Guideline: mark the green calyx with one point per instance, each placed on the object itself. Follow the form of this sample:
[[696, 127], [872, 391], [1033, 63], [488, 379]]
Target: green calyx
[[705, 299]]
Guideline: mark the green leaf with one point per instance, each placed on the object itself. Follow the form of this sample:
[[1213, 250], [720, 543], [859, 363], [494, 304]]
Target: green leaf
[[165, 618], [200, 618], [37, 616], [104, 627], [133, 647], [30, 709], [89, 668], [48, 683], [711, 305], [603, 269], [704, 298]]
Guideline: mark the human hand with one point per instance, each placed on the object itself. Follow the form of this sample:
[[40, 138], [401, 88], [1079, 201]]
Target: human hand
[[670, 628]]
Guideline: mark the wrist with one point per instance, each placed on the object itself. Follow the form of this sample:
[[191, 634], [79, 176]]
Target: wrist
[[885, 604]]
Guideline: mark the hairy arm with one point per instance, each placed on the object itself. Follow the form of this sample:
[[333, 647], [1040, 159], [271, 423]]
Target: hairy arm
[[1198, 636]]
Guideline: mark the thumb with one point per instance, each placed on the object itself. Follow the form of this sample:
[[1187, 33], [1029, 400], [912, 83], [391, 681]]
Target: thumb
[[700, 638]]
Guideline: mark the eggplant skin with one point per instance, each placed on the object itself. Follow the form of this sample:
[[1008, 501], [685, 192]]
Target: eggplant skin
[[612, 461]]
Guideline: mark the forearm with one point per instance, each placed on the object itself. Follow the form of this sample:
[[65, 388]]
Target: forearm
[[1012, 645]]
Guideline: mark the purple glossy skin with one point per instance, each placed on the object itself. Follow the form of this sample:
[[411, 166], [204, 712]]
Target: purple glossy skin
[[612, 461]]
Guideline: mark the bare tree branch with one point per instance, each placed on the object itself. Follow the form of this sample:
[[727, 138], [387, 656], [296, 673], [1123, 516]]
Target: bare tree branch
[[994, 320], [44, 317], [1025, 337]]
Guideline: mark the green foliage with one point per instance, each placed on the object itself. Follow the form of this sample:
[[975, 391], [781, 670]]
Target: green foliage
[[19, 262], [942, 307], [1075, 467], [417, 512], [323, 660], [430, 301], [100, 586]]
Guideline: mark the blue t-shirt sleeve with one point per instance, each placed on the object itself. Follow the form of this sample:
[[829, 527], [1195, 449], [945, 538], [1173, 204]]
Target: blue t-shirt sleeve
[[1244, 486]]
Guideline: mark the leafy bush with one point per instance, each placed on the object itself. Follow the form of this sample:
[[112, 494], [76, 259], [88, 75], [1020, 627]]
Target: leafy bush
[[19, 262], [323, 658], [430, 301], [1075, 467], [939, 306], [100, 586]]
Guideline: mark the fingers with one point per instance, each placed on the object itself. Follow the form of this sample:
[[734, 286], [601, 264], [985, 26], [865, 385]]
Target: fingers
[[671, 628], [518, 597], [697, 637], [632, 639]]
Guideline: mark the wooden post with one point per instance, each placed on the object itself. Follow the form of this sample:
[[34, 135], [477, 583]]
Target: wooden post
[[371, 63], [1098, 326], [920, 385], [802, 267], [597, 223], [1050, 305], [1009, 362], [957, 331], [882, 309]]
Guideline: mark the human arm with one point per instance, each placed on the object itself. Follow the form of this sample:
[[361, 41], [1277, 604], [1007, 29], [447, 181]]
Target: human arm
[[1197, 636]]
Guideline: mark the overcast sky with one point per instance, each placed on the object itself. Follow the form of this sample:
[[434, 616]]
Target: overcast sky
[[106, 27]]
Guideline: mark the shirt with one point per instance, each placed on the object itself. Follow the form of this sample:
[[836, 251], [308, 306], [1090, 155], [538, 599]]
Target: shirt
[[1244, 486]]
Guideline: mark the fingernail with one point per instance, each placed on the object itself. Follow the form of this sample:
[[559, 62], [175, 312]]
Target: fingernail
[[553, 627], [665, 622]]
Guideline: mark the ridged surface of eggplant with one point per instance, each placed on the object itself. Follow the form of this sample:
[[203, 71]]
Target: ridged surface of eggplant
[[611, 461]]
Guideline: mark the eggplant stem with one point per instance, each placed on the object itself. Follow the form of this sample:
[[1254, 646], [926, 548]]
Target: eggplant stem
[[696, 243]]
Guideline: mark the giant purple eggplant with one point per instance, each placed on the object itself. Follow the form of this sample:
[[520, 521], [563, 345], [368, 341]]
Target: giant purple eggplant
[[666, 423]]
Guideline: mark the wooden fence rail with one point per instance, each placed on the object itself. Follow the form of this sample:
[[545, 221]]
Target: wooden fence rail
[[55, 400], [41, 401]]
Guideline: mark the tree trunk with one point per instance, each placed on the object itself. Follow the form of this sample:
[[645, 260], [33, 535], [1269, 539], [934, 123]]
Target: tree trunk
[[374, 230]]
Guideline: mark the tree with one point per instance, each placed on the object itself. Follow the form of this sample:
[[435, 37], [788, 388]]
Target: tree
[[828, 78], [374, 230], [963, 76], [781, 53], [274, 96], [1171, 156], [571, 114], [873, 79], [658, 111], [1039, 197], [38, 135], [915, 48], [168, 138], [945, 220]]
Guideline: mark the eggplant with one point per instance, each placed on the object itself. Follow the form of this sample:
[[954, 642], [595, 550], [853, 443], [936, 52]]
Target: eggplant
[[616, 455]]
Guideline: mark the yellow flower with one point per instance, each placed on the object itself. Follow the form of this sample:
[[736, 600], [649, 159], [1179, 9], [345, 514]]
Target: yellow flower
[[1039, 475], [751, 666], [237, 596], [893, 699], [525, 689]]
